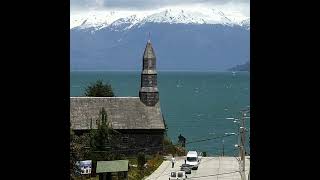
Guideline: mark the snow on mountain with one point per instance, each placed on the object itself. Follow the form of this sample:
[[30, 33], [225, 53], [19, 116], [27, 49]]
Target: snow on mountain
[[101, 19], [124, 20], [187, 17], [124, 23], [245, 23]]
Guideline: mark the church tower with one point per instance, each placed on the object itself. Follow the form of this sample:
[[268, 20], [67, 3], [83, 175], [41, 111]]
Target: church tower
[[149, 93]]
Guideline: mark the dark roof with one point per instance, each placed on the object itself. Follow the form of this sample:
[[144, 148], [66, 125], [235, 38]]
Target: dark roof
[[112, 166], [149, 52], [122, 112]]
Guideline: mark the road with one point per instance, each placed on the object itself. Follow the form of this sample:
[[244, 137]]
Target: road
[[210, 168]]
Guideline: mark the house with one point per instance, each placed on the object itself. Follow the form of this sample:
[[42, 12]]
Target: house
[[138, 120]]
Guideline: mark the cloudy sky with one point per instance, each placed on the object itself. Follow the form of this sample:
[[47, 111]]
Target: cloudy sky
[[242, 6]]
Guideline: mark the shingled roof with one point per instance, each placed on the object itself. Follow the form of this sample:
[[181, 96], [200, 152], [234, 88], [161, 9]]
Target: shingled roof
[[149, 52], [122, 112]]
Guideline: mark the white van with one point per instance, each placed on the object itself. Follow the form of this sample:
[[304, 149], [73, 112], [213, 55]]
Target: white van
[[192, 159]]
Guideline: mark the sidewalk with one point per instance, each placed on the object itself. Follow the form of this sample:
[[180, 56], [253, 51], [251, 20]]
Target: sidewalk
[[161, 171], [165, 169]]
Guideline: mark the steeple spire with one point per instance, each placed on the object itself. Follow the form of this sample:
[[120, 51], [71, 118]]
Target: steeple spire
[[149, 93]]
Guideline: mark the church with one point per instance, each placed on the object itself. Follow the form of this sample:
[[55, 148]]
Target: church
[[138, 120]]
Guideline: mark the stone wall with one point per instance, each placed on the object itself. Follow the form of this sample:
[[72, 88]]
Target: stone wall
[[131, 142], [149, 98], [149, 80]]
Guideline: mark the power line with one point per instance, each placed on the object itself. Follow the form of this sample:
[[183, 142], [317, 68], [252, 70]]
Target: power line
[[213, 158], [148, 148], [208, 139]]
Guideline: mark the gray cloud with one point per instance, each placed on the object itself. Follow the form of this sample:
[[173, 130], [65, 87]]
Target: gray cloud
[[143, 4]]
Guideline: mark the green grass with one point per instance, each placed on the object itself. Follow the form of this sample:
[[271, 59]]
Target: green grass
[[152, 164], [172, 149]]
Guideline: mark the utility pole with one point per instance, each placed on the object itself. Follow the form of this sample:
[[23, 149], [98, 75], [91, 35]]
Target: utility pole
[[242, 147], [249, 167]]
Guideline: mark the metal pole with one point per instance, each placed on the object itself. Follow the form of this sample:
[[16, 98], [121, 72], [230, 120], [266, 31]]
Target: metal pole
[[243, 149], [243, 165], [239, 138], [244, 133], [243, 175], [222, 147]]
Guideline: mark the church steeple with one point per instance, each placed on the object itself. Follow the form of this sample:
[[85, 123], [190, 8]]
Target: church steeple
[[149, 93]]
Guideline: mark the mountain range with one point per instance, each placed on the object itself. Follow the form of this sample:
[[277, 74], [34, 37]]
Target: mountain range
[[241, 67], [183, 39]]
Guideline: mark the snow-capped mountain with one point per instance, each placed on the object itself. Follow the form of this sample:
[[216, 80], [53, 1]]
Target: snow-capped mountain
[[245, 23], [184, 39], [123, 23], [127, 19], [187, 17]]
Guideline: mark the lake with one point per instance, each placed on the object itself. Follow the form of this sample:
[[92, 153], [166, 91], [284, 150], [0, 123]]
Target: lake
[[197, 105]]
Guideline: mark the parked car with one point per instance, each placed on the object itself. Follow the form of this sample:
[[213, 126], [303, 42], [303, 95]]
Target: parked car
[[192, 159], [178, 175], [186, 168]]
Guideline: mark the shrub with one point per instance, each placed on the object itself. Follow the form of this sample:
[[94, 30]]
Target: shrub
[[141, 160], [99, 89]]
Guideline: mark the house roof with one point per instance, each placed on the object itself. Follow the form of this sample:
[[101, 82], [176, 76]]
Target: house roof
[[112, 166], [122, 113]]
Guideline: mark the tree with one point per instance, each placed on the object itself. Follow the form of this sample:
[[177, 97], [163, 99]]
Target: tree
[[101, 138], [102, 141], [78, 152], [99, 89]]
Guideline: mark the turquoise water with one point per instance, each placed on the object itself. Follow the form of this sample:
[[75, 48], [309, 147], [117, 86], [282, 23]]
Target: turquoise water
[[194, 104]]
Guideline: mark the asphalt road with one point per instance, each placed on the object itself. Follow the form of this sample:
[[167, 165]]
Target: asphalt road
[[210, 168]]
